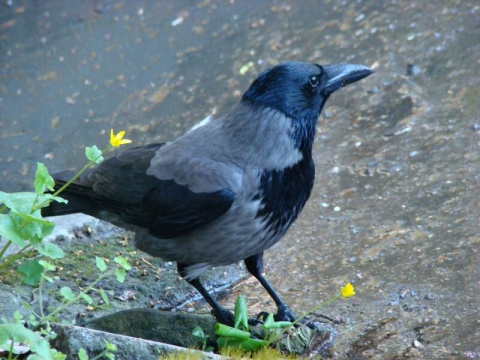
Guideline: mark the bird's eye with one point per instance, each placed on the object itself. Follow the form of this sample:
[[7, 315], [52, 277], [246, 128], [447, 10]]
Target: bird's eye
[[313, 81]]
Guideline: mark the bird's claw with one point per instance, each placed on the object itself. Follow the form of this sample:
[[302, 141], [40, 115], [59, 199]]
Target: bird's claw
[[284, 313], [313, 335], [224, 316], [228, 318]]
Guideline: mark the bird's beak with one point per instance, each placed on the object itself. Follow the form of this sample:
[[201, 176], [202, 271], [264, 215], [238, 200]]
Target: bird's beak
[[340, 75]]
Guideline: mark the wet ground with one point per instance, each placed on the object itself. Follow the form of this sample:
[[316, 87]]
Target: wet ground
[[395, 209]]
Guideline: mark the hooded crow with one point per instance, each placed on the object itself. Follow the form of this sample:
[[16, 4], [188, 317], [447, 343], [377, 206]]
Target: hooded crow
[[225, 191]]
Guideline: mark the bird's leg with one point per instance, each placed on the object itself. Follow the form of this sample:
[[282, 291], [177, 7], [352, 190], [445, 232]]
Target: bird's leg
[[223, 315], [254, 266]]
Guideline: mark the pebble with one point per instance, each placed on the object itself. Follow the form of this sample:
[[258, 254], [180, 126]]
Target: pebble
[[418, 344], [413, 70]]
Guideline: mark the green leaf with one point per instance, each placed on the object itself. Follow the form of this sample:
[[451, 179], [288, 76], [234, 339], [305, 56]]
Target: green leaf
[[246, 344], [17, 316], [198, 333], [23, 202], [32, 271], [47, 278], [67, 293], [228, 331], [28, 307], [240, 313], [253, 344], [20, 201], [109, 356], [43, 180], [122, 262], [281, 324], [47, 265], [59, 356], [51, 250], [46, 199], [22, 222], [56, 198], [270, 323], [33, 319], [31, 227], [100, 264], [87, 298], [82, 354], [8, 230], [110, 346], [104, 296], [94, 154], [21, 334], [120, 274]]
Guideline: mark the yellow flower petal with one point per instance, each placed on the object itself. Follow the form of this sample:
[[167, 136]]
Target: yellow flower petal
[[117, 140], [347, 291]]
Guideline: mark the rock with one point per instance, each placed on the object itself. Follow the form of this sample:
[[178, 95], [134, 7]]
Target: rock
[[11, 302], [164, 326], [71, 339]]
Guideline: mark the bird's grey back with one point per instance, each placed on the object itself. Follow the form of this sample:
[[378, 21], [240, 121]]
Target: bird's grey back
[[216, 155]]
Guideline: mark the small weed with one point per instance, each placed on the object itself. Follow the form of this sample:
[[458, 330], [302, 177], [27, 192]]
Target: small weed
[[22, 224], [285, 336]]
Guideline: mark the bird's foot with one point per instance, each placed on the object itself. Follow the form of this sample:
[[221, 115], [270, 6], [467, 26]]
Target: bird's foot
[[224, 316], [316, 336], [284, 313], [312, 335]]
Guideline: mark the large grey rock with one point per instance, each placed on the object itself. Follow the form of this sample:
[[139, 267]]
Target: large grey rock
[[11, 301], [71, 339], [164, 326]]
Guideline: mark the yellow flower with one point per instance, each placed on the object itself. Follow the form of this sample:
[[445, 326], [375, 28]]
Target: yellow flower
[[347, 291], [117, 140]]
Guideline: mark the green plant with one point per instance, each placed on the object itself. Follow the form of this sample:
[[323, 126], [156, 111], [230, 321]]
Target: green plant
[[106, 353], [12, 333], [68, 296], [21, 220], [21, 223], [16, 332], [292, 337], [202, 339]]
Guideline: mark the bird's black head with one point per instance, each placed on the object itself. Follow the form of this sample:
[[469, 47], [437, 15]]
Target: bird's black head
[[299, 89]]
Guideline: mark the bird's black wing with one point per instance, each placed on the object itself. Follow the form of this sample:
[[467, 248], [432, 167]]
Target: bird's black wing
[[178, 210], [118, 181], [121, 185], [123, 177]]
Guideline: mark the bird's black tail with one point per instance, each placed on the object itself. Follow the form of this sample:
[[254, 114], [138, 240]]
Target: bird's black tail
[[77, 196]]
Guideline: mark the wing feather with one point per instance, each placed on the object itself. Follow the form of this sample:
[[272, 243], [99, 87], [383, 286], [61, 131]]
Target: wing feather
[[122, 185]]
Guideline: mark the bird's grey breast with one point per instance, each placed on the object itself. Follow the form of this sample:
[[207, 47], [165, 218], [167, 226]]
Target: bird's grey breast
[[262, 137]]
